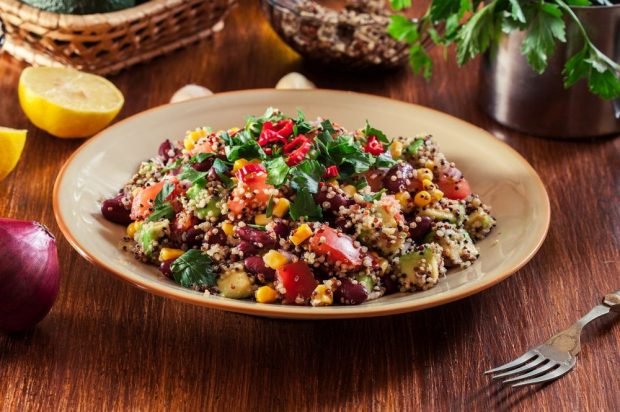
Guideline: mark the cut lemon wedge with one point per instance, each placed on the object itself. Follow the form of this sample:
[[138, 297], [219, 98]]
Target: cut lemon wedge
[[12, 143], [68, 103]]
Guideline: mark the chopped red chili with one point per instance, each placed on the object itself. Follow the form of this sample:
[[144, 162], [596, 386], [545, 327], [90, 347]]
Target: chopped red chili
[[374, 146], [299, 154], [295, 143], [279, 132], [248, 169], [331, 171]]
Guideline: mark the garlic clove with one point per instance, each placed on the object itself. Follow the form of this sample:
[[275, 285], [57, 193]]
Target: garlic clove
[[295, 80], [191, 91]]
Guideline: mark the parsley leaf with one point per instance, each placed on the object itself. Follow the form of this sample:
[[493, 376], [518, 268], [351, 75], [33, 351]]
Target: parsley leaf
[[420, 61], [546, 25], [371, 131], [277, 171], [307, 175], [172, 166], [193, 268], [221, 168], [194, 176], [200, 157], [300, 125], [161, 208], [476, 35], [269, 211], [400, 4], [442, 9], [403, 29], [248, 150], [304, 205], [384, 160], [348, 155], [375, 196]]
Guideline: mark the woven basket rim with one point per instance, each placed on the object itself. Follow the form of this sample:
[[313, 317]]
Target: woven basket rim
[[78, 22]]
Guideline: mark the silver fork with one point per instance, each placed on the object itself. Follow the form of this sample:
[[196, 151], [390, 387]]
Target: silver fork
[[558, 355]]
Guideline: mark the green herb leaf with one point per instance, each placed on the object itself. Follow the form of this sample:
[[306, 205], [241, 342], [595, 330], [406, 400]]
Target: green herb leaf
[[269, 211], [300, 125], [375, 196], [442, 9], [349, 156], [371, 131], [307, 175], [194, 176], [161, 208], [248, 150], [193, 268], [477, 34], [597, 68], [400, 4], [221, 168], [200, 157], [546, 25], [420, 61], [172, 166], [327, 126], [277, 171], [413, 148], [304, 205], [384, 160], [360, 183], [403, 29], [258, 227]]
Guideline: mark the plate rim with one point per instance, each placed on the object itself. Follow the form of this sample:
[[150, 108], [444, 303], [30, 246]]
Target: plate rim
[[291, 311]]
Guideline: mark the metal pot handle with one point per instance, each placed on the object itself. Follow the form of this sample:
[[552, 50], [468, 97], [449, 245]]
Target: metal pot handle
[[616, 104]]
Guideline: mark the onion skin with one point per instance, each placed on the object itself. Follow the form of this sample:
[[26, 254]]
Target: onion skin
[[29, 274]]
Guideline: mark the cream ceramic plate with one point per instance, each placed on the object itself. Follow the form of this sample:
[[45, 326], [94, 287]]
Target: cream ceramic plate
[[495, 171]]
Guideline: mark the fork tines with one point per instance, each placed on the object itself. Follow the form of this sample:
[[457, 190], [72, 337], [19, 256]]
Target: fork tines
[[532, 367]]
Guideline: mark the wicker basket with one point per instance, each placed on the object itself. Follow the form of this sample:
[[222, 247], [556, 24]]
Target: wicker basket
[[109, 42]]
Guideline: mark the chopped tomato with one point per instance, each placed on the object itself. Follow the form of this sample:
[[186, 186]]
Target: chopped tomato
[[453, 187], [337, 247], [252, 182], [143, 202], [297, 279], [205, 146]]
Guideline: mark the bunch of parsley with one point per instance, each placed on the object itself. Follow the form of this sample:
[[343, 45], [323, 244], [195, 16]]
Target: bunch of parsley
[[475, 25]]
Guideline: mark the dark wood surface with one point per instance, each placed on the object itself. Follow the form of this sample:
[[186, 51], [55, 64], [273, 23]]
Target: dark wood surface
[[106, 345]]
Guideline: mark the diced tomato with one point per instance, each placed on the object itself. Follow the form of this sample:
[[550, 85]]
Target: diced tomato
[[374, 146], [205, 146], [143, 202], [297, 279], [255, 182], [454, 187], [249, 170], [337, 247]]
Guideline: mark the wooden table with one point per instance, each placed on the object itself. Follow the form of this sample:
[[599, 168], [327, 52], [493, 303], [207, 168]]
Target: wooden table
[[106, 345]]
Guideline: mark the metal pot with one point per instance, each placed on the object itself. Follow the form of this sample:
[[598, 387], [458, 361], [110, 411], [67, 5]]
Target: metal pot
[[518, 97]]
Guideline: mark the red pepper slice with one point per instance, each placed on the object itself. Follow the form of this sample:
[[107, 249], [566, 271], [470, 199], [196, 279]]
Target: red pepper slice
[[248, 169], [374, 146], [331, 171], [299, 154], [295, 143], [275, 133]]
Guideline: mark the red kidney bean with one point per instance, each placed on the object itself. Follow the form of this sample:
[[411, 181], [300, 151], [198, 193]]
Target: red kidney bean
[[164, 267], [335, 200], [282, 230], [115, 211], [247, 248], [421, 229], [165, 149], [255, 236], [374, 177], [399, 178], [205, 165], [194, 237], [255, 265], [216, 237], [350, 293]]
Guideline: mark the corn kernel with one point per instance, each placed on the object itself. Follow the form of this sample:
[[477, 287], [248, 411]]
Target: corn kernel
[[422, 198], [168, 253], [239, 163], [133, 228], [262, 219], [396, 149], [437, 194], [274, 259], [228, 228], [403, 198], [188, 143], [196, 135], [281, 207], [322, 296], [266, 294], [334, 182], [429, 186], [424, 174], [302, 233], [429, 164], [233, 130], [350, 190]]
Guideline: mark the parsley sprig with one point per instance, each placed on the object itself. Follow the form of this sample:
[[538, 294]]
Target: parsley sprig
[[474, 26]]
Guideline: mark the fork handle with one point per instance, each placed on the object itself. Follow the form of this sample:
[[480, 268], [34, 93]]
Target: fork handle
[[613, 300]]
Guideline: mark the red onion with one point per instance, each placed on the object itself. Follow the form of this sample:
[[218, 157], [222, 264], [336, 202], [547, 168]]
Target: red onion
[[29, 274]]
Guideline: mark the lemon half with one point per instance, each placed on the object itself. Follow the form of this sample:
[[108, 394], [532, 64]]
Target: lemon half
[[66, 102], [12, 143]]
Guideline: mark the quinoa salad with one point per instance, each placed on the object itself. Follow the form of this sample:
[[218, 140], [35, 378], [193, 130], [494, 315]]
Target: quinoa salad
[[295, 211]]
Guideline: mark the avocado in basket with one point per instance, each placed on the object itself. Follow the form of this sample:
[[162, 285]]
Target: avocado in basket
[[81, 6]]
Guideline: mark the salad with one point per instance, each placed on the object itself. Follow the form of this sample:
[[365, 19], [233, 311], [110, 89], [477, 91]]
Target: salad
[[287, 210]]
